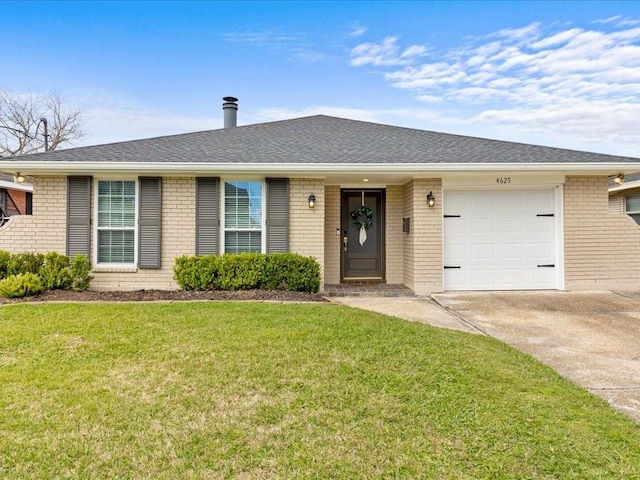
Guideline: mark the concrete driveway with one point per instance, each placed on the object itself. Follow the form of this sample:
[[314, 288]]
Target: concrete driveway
[[592, 338]]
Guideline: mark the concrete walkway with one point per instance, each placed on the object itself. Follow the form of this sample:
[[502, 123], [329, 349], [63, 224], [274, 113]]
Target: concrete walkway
[[416, 309], [592, 338]]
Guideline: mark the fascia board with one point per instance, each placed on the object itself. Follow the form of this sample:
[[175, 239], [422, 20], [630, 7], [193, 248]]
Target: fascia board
[[625, 186], [16, 186], [34, 167]]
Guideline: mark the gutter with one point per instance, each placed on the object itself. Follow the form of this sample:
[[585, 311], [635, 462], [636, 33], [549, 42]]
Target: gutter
[[64, 168]]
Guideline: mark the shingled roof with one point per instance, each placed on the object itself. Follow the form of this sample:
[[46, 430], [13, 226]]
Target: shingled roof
[[323, 140]]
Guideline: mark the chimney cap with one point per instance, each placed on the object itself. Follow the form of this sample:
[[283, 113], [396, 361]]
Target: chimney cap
[[230, 99]]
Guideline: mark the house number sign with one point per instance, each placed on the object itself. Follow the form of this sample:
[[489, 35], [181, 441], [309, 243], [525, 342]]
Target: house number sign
[[503, 180]]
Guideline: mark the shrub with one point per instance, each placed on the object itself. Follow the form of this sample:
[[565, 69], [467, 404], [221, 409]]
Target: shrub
[[55, 271], [248, 271], [4, 263], [241, 272], [21, 285], [196, 273], [79, 273], [27, 262]]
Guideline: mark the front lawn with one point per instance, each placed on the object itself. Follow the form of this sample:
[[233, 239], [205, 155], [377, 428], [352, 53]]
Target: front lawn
[[262, 390]]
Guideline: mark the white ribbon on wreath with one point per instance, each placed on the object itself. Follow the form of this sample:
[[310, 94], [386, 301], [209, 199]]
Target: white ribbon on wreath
[[362, 238]]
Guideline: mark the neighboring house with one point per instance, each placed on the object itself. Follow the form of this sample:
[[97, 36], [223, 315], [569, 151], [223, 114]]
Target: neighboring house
[[625, 198], [370, 202], [15, 198]]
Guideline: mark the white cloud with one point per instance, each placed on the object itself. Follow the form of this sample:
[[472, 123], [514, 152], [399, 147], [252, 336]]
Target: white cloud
[[583, 83], [385, 53], [357, 31], [111, 117], [294, 44]]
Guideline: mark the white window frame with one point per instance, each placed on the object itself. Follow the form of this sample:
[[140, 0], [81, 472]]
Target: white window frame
[[631, 212], [223, 229], [96, 183]]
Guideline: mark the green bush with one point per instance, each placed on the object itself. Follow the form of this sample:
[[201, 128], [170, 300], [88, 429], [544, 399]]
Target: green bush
[[248, 271], [4, 263], [21, 285], [288, 271], [55, 272], [241, 272], [26, 262], [79, 273]]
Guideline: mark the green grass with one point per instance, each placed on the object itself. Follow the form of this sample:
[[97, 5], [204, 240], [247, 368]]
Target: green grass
[[254, 390]]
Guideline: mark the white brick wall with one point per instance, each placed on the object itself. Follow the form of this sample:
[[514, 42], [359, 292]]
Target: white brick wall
[[602, 250], [332, 242], [46, 229], [423, 244], [307, 225], [616, 203], [394, 238]]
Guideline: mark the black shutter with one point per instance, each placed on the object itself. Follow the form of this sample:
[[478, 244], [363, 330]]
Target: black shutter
[[207, 214], [78, 216], [277, 215], [149, 222]]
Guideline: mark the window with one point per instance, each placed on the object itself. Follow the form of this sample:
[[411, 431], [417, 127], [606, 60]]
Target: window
[[242, 217], [116, 229], [632, 204]]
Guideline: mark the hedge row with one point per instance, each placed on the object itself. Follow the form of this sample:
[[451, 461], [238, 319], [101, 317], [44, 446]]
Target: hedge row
[[29, 273], [248, 271]]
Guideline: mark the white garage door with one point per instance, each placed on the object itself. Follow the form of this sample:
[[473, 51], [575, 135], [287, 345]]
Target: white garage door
[[499, 240]]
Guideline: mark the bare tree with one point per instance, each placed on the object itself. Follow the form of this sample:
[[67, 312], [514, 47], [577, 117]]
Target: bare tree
[[24, 119]]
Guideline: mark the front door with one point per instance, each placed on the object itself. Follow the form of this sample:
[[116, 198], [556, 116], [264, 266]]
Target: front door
[[362, 222]]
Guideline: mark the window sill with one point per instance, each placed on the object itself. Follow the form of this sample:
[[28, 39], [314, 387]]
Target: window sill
[[114, 269]]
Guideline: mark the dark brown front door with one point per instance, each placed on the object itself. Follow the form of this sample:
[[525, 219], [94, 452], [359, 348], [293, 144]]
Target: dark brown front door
[[362, 248]]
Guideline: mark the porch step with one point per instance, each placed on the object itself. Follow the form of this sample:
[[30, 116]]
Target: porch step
[[367, 290]]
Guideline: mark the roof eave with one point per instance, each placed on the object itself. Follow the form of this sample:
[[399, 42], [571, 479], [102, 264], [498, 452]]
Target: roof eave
[[190, 168]]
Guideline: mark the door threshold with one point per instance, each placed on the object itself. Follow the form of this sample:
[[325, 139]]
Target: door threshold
[[364, 280]]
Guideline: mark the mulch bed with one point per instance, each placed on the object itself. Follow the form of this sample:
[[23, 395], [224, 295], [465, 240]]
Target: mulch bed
[[167, 296]]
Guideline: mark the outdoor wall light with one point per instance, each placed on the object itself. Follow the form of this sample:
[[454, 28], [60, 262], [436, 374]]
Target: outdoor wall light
[[619, 179], [312, 200], [18, 178], [431, 200]]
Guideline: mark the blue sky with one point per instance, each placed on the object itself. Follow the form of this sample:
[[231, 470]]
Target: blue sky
[[565, 74]]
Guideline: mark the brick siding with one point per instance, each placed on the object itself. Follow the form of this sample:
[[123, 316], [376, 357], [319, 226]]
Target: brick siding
[[45, 230], [423, 243], [601, 248], [332, 242], [394, 238]]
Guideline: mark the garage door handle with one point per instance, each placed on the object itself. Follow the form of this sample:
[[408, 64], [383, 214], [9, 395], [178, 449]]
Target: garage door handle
[[550, 265], [449, 266], [452, 216], [545, 215]]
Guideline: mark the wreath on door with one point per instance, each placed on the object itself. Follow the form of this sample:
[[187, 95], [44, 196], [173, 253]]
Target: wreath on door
[[360, 222], [362, 219]]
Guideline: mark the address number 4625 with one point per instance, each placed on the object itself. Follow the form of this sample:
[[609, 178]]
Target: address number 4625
[[503, 180]]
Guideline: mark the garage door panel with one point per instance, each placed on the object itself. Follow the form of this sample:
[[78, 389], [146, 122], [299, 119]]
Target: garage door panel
[[457, 277], [541, 251], [512, 251], [541, 277], [511, 225], [485, 279], [499, 240], [485, 251], [514, 276], [482, 225]]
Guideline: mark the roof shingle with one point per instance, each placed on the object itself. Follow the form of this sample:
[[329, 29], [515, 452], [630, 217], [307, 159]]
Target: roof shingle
[[324, 140]]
